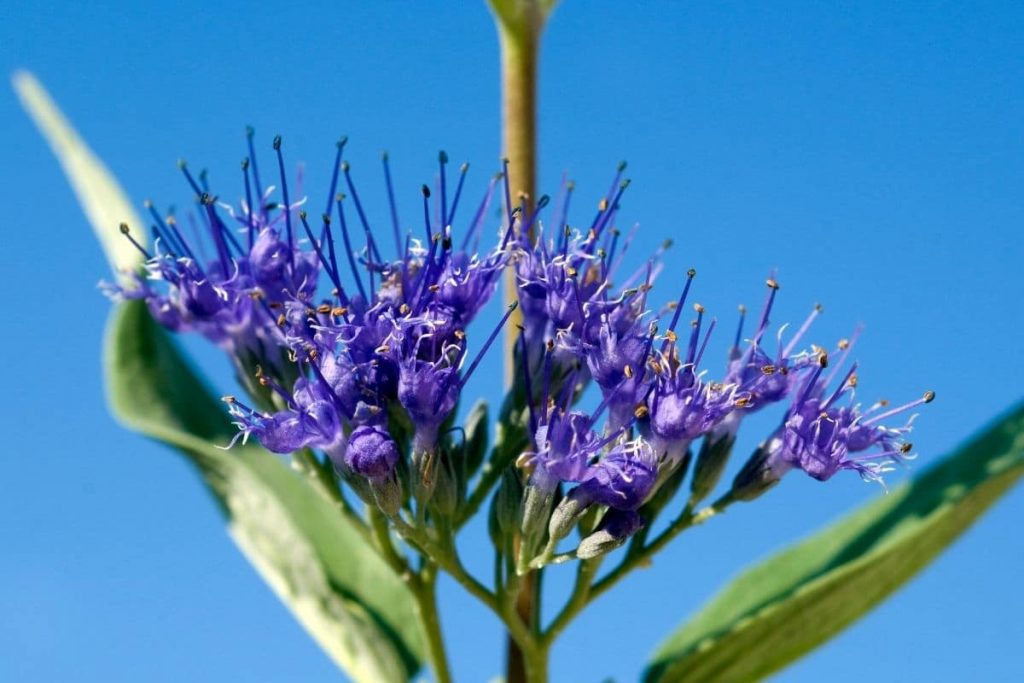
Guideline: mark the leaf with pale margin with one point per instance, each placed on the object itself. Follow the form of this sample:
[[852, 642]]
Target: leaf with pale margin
[[358, 611], [779, 610], [101, 197]]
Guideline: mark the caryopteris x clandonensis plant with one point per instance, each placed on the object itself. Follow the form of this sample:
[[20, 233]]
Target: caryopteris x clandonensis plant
[[352, 352]]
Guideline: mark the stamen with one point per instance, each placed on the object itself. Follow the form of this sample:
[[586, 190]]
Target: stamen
[[739, 331], [342, 141], [248, 203], [704, 345], [818, 309], [442, 159], [566, 199], [508, 191], [525, 360], [426, 211], [849, 382], [126, 231], [249, 134], [458, 192], [362, 214], [690, 274], [319, 251], [773, 289], [348, 245], [490, 340], [287, 203], [928, 397], [391, 203]]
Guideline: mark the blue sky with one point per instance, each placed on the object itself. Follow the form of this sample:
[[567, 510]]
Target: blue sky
[[872, 152]]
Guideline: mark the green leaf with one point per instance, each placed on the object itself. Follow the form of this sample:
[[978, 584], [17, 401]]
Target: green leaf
[[102, 199], [784, 607], [316, 561]]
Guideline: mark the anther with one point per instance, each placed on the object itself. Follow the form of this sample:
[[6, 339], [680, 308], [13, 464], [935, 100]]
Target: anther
[[929, 396], [772, 283]]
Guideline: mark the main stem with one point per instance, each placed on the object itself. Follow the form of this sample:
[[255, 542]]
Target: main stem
[[519, 52]]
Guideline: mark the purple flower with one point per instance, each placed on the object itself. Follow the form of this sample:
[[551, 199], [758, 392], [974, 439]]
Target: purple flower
[[311, 420], [371, 452], [622, 479], [821, 438]]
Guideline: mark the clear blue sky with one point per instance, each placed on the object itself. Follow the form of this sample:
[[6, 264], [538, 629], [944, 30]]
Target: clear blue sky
[[871, 151]]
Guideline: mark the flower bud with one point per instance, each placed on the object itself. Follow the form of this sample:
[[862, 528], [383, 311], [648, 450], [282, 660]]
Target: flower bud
[[371, 452], [446, 489], [711, 461], [536, 508], [615, 528], [761, 472], [387, 493], [566, 515]]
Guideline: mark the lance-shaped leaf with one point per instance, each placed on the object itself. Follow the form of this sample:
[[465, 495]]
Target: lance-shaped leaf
[[777, 611], [355, 607], [102, 199]]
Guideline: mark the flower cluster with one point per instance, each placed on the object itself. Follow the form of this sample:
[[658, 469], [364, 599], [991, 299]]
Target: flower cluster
[[360, 351]]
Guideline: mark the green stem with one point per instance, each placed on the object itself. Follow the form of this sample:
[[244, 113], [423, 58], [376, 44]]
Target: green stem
[[426, 609], [519, 27]]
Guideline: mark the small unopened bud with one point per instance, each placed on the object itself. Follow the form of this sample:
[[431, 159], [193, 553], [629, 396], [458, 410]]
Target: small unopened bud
[[616, 527], [446, 490], [711, 460], [387, 493], [565, 517], [760, 473]]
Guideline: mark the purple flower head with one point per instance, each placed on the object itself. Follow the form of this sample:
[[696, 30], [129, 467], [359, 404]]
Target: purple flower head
[[564, 445], [371, 452], [622, 479], [618, 364], [821, 438], [766, 379], [311, 420]]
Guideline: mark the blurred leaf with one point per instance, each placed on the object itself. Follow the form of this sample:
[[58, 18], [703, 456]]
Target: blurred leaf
[[102, 199], [353, 605], [784, 607]]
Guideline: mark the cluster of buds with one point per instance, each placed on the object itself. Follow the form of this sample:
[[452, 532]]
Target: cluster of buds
[[359, 351]]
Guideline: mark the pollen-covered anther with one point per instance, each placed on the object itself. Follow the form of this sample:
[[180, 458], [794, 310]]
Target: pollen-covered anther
[[434, 288], [323, 309], [570, 271], [603, 204], [641, 411], [768, 369], [339, 311], [228, 399], [823, 359], [671, 336], [628, 371], [460, 334], [281, 320], [382, 349], [906, 448], [772, 283], [404, 309], [844, 344], [929, 396]]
